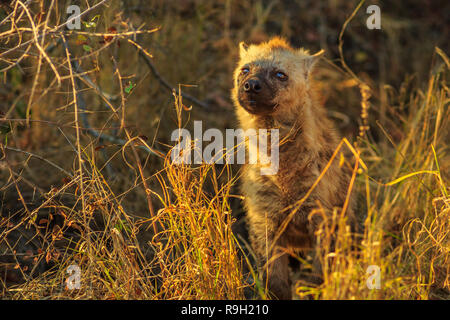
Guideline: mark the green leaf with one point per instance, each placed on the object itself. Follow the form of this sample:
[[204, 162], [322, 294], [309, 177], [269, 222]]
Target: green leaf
[[122, 225], [119, 226], [129, 87], [96, 17], [87, 48], [90, 24], [81, 40]]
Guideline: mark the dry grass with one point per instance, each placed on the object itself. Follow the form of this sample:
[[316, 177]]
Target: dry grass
[[406, 226], [86, 177]]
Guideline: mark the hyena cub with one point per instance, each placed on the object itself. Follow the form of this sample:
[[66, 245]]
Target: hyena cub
[[273, 89]]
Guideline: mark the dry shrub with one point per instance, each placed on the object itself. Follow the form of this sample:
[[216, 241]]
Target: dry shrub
[[198, 254], [404, 199]]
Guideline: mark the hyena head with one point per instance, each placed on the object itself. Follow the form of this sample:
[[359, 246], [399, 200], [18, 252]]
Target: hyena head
[[272, 76]]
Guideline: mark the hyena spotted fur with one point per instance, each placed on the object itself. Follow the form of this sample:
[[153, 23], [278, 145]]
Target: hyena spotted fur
[[273, 89]]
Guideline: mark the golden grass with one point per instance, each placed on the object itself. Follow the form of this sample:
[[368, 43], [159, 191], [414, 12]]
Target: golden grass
[[406, 229]]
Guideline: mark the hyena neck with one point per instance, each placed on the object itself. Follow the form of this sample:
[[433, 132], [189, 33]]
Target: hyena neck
[[304, 127]]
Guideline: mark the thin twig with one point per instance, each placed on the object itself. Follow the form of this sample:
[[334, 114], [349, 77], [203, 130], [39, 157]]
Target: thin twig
[[147, 58], [56, 28], [82, 104], [40, 158], [341, 43], [136, 156], [101, 135]]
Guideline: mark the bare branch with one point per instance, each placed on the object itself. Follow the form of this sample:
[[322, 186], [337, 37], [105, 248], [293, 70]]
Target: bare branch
[[147, 57]]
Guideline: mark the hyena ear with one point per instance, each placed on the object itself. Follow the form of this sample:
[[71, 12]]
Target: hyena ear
[[310, 62], [242, 48]]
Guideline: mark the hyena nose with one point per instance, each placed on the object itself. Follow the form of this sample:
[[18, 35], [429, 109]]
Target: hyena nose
[[252, 85]]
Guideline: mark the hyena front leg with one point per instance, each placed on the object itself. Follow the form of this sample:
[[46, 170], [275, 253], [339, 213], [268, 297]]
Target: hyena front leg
[[272, 259], [276, 274]]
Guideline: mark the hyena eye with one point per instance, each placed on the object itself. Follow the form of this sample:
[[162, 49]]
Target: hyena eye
[[245, 70], [281, 76]]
